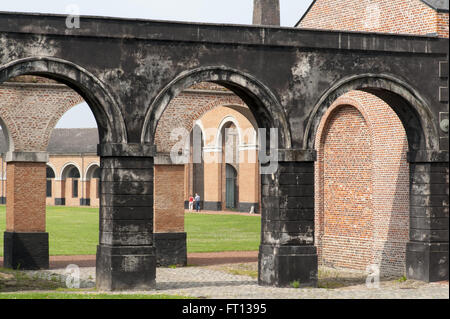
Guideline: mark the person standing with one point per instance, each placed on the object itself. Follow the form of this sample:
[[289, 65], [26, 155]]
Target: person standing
[[191, 203], [197, 202]]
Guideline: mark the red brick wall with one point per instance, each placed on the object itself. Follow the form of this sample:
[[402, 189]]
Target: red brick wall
[[388, 16], [362, 185], [25, 211], [168, 198], [31, 111]]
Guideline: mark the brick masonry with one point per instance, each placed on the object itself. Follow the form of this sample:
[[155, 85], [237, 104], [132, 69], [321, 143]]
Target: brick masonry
[[362, 183], [31, 110], [25, 211], [390, 16]]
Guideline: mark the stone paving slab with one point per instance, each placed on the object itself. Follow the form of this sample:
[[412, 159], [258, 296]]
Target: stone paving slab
[[206, 283]]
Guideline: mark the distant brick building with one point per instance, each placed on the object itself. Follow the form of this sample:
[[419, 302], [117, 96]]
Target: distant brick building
[[416, 17], [362, 188], [72, 172], [72, 175]]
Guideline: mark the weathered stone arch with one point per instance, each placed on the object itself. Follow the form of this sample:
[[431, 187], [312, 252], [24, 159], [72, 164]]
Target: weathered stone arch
[[106, 111], [405, 100], [262, 102]]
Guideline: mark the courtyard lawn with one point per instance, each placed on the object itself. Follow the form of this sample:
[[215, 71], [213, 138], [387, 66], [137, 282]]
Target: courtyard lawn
[[211, 233], [74, 231]]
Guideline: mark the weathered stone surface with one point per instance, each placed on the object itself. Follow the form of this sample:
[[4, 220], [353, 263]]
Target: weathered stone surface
[[129, 86]]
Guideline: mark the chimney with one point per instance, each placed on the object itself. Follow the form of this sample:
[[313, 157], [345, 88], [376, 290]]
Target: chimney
[[266, 12]]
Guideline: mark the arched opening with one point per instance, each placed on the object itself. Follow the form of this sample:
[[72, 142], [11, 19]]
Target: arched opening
[[221, 142], [230, 166], [48, 76], [92, 184], [362, 183], [50, 174], [70, 178]]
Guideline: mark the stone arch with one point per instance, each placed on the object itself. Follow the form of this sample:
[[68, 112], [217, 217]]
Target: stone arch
[[107, 113], [405, 100], [261, 101]]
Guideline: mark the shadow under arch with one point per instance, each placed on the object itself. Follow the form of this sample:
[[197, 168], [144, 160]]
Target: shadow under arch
[[262, 102], [406, 102], [111, 125]]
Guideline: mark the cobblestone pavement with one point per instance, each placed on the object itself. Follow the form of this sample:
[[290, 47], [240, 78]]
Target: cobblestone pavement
[[206, 282]]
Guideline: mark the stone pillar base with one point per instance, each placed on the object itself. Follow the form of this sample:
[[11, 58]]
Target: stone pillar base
[[26, 251], [2, 200], [125, 267], [427, 261], [170, 249], [282, 265]]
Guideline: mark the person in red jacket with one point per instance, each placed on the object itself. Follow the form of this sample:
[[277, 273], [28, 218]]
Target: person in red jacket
[[191, 203]]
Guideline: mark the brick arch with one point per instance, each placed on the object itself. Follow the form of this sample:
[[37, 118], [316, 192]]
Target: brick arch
[[183, 114], [105, 109], [90, 169], [258, 97], [67, 167], [405, 101], [365, 221]]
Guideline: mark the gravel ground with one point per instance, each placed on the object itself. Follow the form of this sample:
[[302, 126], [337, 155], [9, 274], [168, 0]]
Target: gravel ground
[[227, 282]]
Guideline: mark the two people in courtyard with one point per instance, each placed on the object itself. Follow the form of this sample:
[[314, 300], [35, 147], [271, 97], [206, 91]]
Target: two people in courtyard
[[194, 202]]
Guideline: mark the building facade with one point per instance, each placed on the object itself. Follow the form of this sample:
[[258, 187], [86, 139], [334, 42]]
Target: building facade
[[362, 174]]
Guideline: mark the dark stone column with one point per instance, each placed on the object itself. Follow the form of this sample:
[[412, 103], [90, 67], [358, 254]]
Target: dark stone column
[[287, 252], [427, 250], [126, 255]]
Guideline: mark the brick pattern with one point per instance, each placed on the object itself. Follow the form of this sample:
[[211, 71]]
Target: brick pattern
[[387, 16], [362, 183], [169, 198], [188, 107], [25, 211], [31, 110]]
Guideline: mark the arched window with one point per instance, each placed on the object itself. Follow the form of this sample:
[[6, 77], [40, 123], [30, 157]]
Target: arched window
[[50, 175], [71, 171]]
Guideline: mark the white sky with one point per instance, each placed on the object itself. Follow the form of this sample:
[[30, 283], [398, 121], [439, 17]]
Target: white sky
[[214, 11]]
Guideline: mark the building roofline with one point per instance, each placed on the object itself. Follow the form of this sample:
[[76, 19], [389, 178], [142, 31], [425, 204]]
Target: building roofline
[[439, 7], [304, 14]]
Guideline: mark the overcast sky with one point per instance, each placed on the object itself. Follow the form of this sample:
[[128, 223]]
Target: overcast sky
[[214, 11]]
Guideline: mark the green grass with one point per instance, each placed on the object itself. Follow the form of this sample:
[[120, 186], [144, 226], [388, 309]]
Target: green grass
[[211, 233], [74, 231], [61, 295]]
